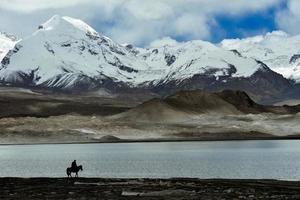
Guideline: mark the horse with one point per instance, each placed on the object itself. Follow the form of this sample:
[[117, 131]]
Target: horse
[[70, 170]]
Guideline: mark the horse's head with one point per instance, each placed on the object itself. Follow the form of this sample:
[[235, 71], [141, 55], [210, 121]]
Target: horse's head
[[80, 167]]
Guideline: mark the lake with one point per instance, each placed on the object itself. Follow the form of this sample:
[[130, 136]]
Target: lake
[[231, 159]]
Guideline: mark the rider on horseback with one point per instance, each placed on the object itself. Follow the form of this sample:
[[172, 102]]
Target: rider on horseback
[[73, 169], [74, 165]]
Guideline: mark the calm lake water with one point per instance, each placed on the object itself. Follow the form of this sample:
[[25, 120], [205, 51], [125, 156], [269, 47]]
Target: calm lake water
[[238, 159]]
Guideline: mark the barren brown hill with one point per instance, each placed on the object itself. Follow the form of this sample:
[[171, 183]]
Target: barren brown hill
[[245, 104], [224, 102], [199, 101], [155, 110], [186, 105], [15, 102]]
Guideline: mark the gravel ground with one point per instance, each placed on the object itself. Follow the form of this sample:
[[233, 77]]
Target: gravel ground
[[96, 188]]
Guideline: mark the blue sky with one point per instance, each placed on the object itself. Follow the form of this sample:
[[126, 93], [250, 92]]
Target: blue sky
[[250, 24], [142, 22]]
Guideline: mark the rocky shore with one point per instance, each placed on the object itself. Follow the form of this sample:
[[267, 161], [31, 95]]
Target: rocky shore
[[97, 188]]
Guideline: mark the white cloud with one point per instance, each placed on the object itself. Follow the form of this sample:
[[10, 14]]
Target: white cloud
[[289, 19], [149, 9], [163, 42], [192, 26], [33, 5], [29, 6], [129, 21]]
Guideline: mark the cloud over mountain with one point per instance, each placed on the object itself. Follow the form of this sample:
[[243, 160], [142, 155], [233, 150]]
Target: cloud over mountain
[[135, 21], [289, 18]]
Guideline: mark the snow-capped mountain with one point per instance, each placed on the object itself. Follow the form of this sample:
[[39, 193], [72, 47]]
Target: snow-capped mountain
[[280, 51], [7, 42], [197, 57], [66, 53]]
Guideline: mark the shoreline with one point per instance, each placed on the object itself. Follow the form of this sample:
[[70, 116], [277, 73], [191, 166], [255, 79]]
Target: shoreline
[[162, 140], [144, 188]]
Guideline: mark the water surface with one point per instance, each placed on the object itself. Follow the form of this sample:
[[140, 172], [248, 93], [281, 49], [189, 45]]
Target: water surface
[[236, 159]]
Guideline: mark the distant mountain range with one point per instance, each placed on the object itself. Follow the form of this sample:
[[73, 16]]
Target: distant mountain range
[[66, 54]]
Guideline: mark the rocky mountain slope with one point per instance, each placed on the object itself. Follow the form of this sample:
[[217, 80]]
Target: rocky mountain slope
[[67, 54]]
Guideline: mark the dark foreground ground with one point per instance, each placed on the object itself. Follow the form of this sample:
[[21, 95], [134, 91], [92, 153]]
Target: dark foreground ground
[[96, 188]]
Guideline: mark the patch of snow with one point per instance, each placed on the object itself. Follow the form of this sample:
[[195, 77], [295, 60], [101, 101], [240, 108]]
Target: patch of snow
[[88, 131]]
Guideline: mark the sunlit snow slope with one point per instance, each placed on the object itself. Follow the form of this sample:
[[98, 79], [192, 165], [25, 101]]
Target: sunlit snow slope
[[280, 51]]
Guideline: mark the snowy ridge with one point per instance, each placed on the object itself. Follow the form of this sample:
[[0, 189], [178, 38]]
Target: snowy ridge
[[7, 42], [280, 51], [57, 21], [198, 57], [67, 53]]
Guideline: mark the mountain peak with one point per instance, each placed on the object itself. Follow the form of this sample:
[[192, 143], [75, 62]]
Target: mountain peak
[[80, 24], [51, 23], [65, 22]]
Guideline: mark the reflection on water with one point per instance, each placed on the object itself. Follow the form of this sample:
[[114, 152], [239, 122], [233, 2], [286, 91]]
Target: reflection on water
[[238, 159]]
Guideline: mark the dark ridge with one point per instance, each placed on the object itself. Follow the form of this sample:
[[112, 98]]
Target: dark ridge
[[170, 59], [6, 60], [265, 86], [66, 45], [49, 48], [294, 58], [236, 52], [240, 100], [92, 52], [92, 36], [155, 51], [42, 107], [199, 100]]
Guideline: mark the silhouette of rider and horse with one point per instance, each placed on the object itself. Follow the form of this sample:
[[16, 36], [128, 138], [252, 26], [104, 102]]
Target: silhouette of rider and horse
[[74, 169]]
